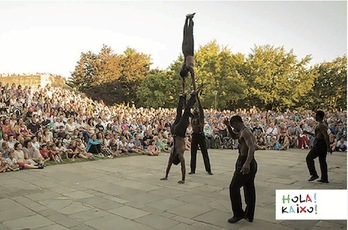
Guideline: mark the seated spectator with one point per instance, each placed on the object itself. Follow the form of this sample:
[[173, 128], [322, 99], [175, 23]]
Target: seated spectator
[[162, 143], [4, 166], [61, 133], [12, 162], [123, 146], [7, 128], [341, 145], [47, 136], [54, 152], [272, 135], [113, 146], [293, 135], [11, 141], [94, 145], [32, 152], [5, 149], [45, 153], [209, 137], [76, 151], [33, 127], [332, 141], [35, 142], [283, 141], [61, 148], [153, 150], [105, 151], [257, 130], [303, 140], [261, 143], [138, 141], [147, 138], [131, 147], [22, 159]]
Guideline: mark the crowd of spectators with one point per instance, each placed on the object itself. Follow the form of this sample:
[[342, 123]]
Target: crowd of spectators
[[44, 124]]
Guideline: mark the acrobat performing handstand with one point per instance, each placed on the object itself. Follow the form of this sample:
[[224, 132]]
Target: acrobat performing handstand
[[181, 122]]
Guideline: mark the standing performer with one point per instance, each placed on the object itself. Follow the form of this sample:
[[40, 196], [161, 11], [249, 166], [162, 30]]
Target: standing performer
[[198, 138], [320, 148], [244, 175]]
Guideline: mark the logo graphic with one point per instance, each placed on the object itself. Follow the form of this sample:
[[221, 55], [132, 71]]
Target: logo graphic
[[311, 204]]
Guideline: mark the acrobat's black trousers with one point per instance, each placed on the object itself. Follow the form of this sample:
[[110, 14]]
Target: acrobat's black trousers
[[319, 150], [199, 139], [247, 182]]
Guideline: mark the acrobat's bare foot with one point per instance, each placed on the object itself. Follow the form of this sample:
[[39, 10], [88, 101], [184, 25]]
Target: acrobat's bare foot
[[190, 15], [181, 182], [164, 178]]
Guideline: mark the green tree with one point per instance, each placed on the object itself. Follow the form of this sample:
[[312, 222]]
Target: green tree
[[155, 91], [275, 78], [330, 87], [134, 68], [217, 75], [84, 73], [111, 77]]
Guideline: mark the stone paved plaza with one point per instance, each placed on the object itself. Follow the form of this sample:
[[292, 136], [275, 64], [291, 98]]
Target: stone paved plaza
[[127, 193]]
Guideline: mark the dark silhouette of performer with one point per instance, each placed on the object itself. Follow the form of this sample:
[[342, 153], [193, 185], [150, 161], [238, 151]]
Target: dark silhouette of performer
[[245, 171], [188, 49], [179, 132], [320, 148], [182, 120], [198, 138]]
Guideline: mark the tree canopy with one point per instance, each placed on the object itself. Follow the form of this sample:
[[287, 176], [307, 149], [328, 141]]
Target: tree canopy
[[268, 78]]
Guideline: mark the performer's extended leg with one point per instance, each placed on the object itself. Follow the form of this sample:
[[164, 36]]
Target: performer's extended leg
[[188, 47], [313, 153]]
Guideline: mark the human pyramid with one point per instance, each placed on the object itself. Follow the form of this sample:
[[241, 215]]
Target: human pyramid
[[181, 122]]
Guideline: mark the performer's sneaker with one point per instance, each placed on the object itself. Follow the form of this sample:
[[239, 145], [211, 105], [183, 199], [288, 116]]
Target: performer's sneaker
[[210, 173], [191, 172], [248, 219], [323, 181], [312, 178], [234, 219]]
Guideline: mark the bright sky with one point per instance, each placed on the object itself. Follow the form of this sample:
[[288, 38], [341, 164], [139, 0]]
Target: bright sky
[[47, 36]]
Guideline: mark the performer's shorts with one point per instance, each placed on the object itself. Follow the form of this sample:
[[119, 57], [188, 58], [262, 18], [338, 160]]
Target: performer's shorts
[[176, 159]]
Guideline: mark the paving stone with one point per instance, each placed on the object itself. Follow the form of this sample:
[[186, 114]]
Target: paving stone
[[129, 212], [30, 222], [115, 222], [14, 213], [189, 210], [156, 222], [127, 193]]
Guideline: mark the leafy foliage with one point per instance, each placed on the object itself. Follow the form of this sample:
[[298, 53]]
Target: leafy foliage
[[268, 78], [111, 77], [330, 87]]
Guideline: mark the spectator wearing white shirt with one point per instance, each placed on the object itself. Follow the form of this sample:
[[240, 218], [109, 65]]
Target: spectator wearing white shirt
[[341, 145]]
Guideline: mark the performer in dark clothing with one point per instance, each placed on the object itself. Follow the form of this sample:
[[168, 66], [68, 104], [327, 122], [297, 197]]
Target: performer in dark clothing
[[179, 132], [244, 175], [198, 138], [188, 50], [320, 148], [182, 120]]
